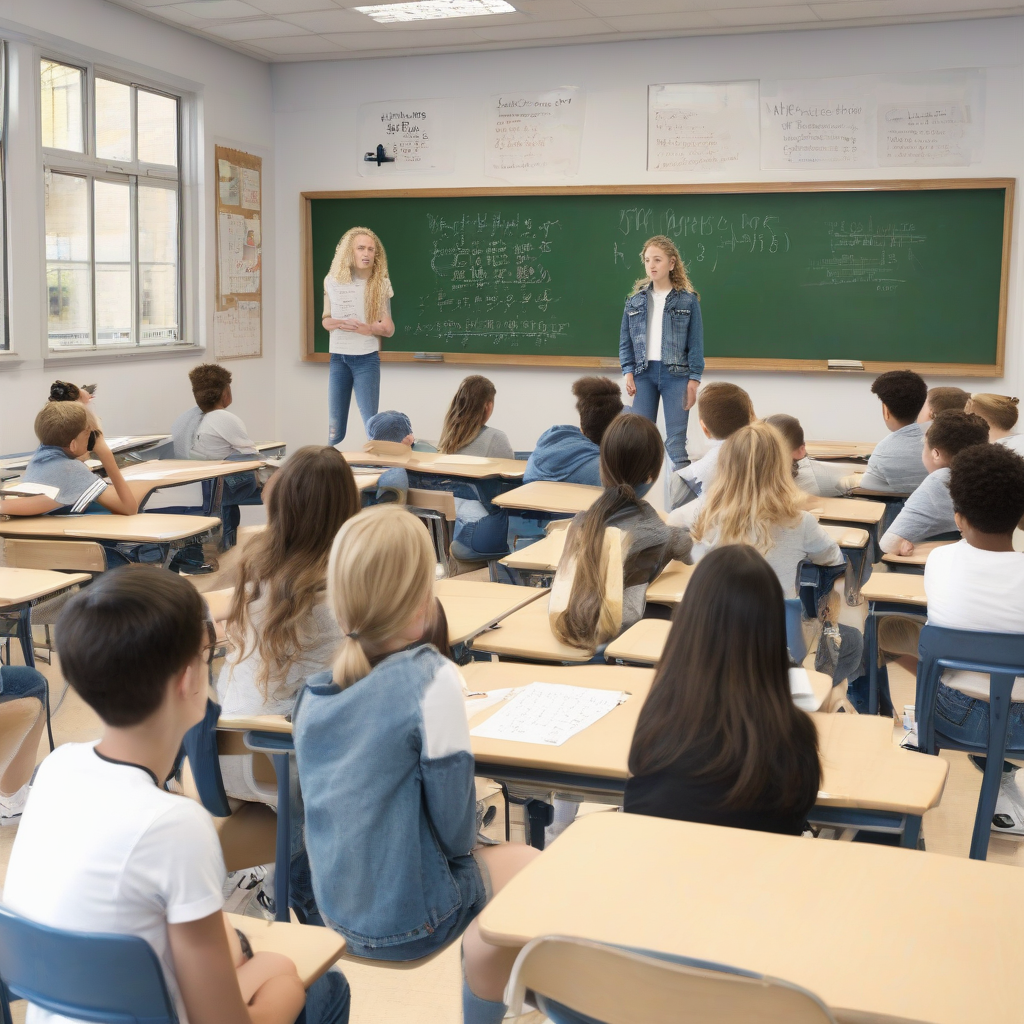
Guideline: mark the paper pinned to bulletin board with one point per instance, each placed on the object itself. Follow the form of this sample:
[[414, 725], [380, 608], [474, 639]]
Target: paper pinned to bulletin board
[[237, 319]]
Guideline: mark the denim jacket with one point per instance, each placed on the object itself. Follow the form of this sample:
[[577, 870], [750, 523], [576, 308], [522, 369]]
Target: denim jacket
[[682, 334], [390, 805]]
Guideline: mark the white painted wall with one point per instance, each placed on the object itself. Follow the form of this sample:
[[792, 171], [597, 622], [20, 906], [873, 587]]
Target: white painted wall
[[316, 109], [233, 92]]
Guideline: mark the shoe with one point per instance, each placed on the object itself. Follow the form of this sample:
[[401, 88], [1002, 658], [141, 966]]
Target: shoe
[[243, 887], [11, 807], [192, 569], [1008, 818]]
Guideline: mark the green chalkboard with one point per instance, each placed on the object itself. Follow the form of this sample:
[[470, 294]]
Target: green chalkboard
[[887, 273]]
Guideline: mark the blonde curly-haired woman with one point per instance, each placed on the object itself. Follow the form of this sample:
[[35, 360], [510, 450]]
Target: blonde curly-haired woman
[[357, 312]]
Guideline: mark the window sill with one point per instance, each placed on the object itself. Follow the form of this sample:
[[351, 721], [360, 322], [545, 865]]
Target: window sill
[[117, 355], [9, 360]]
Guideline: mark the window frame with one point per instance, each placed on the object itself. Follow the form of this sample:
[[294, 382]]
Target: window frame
[[134, 173], [5, 306]]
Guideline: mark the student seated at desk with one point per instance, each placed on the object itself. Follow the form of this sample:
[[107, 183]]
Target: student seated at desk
[[281, 625], [579, 610], [210, 432], [103, 847], [465, 430], [928, 512], [943, 399], [64, 438], [722, 408], [16, 682], [812, 476], [719, 739], [895, 464], [573, 454], [754, 501], [1000, 413], [383, 751], [977, 583]]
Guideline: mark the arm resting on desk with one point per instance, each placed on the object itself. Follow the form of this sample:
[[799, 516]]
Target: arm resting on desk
[[37, 505]]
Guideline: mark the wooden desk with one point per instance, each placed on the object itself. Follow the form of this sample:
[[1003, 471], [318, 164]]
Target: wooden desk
[[272, 448], [26, 586], [914, 562], [147, 477], [542, 556], [896, 587], [749, 899], [526, 634], [848, 510], [472, 607], [471, 467], [641, 644], [548, 496], [366, 481], [840, 450], [313, 950], [670, 586], [847, 536]]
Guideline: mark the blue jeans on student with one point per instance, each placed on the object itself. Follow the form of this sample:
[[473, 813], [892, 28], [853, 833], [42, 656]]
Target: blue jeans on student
[[20, 681], [961, 717], [655, 383], [239, 489], [347, 372], [328, 999]]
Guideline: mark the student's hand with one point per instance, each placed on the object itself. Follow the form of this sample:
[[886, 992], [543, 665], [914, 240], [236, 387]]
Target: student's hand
[[332, 323], [355, 326], [630, 385], [906, 548], [691, 395]]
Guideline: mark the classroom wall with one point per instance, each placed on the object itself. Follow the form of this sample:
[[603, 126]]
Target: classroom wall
[[136, 395], [316, 111]]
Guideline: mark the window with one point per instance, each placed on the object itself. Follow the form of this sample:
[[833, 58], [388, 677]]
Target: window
[[4, 334], [111, 158]]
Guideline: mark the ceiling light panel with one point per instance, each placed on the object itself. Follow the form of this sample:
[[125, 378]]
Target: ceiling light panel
[[423, 10]]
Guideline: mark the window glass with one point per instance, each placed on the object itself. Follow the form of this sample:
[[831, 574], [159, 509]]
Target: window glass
[[68, 265], [158, 264], [112, 222], [158, 129], [60, 94], [113, 120]]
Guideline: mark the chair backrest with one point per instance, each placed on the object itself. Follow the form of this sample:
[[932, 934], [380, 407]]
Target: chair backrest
[[1000, 656], [88, 976], [575, 980], [795, 630], [200, 745], [67, 555], [435, 501]]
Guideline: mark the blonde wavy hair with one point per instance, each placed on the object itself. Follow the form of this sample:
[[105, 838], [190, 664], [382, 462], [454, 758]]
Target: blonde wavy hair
[[375, 302], [677, 276], [380, 575], [753, 490], [999, 411]]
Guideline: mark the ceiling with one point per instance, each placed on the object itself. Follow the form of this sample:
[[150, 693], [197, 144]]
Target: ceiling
[[292, 30]]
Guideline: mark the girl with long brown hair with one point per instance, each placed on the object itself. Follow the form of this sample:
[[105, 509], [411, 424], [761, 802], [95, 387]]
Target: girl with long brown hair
[[280, 624], [579, 608], [661, 343], [357, 313], [719, 739], [465, 430]]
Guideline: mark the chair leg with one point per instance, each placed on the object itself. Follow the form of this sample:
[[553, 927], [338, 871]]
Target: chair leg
[[911, 831], [998, 727], [508, 811], [5, 1004], [282, 869]]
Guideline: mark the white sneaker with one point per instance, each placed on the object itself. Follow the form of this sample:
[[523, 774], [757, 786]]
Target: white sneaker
[[241, 887], [1008, 818], [12, 806]]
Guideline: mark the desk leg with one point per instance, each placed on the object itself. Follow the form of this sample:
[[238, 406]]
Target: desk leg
[[871, 653], [911, 831], [858, 562], [282, 868], [28, 651]]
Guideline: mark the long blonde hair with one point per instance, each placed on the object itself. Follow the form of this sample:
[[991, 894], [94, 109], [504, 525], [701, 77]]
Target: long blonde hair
[[465, 416], [677, 276], [312, 496], [380, 574], [375, 301], [753, 490], [999, 411]]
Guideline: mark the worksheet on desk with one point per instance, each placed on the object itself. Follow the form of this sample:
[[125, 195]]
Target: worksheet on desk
[[549, 713]]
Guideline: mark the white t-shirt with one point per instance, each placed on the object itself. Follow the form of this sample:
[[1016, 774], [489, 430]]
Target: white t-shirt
[[221, 433], [1015, 442], [102, 848], [349, 300], [968, 588], [655, 322]]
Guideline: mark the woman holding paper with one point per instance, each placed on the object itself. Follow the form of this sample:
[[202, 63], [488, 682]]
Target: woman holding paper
[[357, 312]]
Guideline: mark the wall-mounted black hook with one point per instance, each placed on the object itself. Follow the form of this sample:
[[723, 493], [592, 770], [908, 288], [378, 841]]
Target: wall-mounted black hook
[[379, 157]]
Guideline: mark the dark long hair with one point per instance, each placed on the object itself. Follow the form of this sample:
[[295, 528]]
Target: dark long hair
[[465, 416], [631, 452], [722, 689]]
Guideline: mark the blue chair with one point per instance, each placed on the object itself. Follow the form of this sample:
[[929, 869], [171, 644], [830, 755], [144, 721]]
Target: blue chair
[[795, 630], [115, 979], [999, 656]]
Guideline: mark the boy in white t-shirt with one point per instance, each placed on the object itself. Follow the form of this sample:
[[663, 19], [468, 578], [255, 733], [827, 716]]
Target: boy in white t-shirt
[[102, 847]]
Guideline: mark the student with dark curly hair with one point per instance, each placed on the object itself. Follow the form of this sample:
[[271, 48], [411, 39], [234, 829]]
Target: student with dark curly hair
[[928, 512]]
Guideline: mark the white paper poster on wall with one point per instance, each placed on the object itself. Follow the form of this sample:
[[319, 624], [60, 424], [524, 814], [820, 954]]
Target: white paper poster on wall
[[827, 122], [406, 137], [535, 134], [702, 126], [931, 120]]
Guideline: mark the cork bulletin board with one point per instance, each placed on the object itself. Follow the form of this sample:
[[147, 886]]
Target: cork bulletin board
[[238, 316]]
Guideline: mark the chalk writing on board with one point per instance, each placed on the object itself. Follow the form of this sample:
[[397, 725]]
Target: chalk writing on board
[[867, 254], [493, 281], [535, 134]]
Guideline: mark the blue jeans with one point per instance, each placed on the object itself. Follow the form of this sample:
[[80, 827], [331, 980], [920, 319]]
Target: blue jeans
[[239, 489], [360, 372], [328, 999], [657, 383], [965, 719], [19, 681]]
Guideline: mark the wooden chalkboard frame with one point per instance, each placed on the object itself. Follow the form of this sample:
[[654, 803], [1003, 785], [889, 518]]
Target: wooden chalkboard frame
[[713, 362]]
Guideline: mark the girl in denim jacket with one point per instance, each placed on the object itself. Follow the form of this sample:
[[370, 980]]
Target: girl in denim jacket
[[661, 343], [383, 751]]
